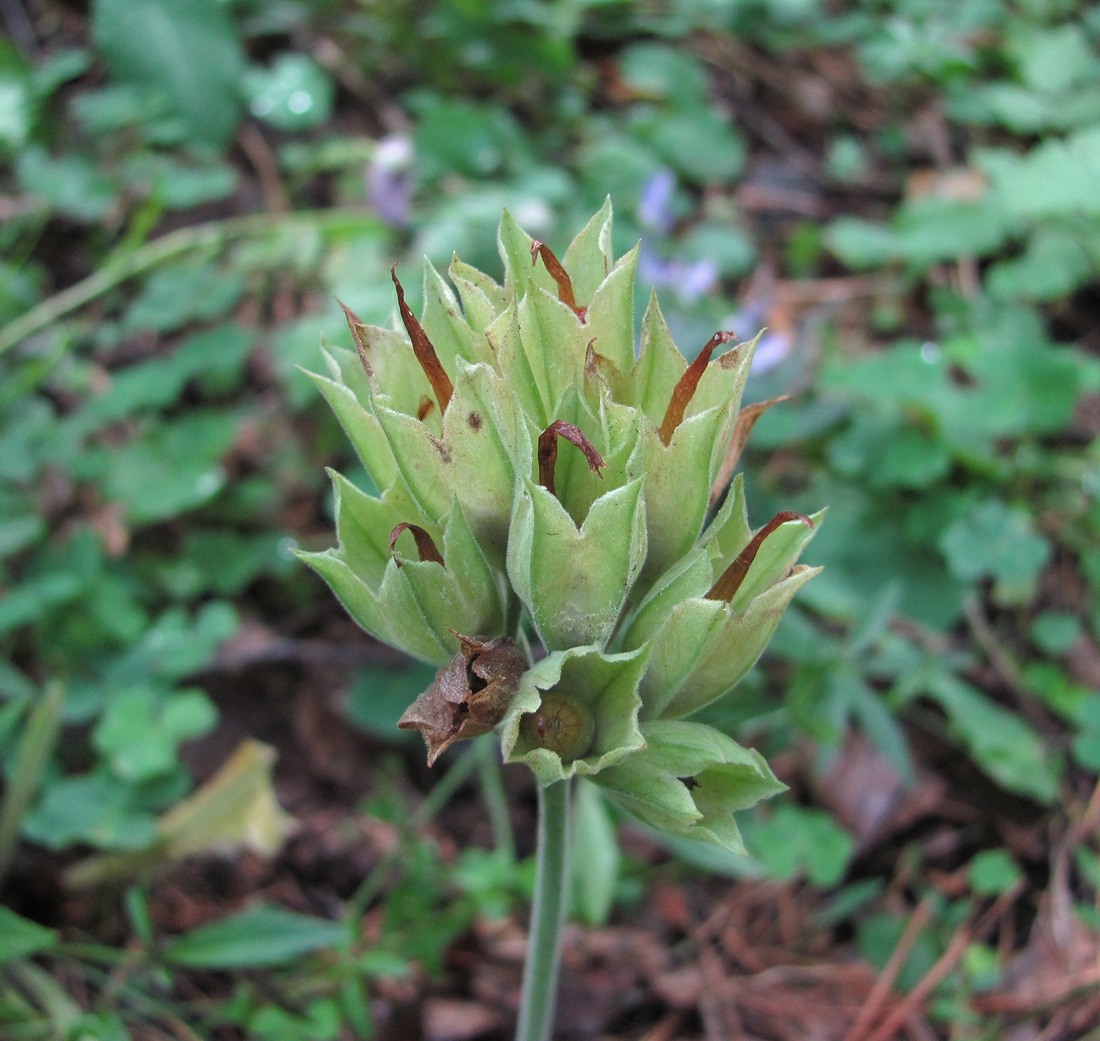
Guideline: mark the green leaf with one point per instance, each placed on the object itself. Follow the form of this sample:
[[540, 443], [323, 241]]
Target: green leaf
[[259, 937], [188, 50], [794, 841], [595, 873], [94, 809], [294, 93], [172, 469], [177, 644], [378, 697], [22, 938], [1055, 632], [700, 144], [71, 184], [1055, 178], [187, 292], [142, 729], [1054, 262], [16, 100], [994, 540], [655, 70], [993, 872], [1001, 743]]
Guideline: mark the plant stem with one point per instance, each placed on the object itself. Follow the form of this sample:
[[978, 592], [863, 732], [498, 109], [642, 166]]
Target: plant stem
[[540, 974], [31, 759], [129, 262]]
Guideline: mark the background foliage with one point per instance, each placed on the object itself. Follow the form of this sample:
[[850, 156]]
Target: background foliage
[[905, 194]]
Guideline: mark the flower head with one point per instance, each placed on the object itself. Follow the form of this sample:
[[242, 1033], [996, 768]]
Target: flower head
[[543, 485]]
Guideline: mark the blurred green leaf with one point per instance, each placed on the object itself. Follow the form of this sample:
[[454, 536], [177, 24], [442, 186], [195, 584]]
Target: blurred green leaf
[[456, 136], [172, 469], [71, 184], [996, 541], [1001, 743], [213, 355], [22, 938], [187, 50], [700, 144], [655, 70], [142, 729], [261, 936], [993, 872], [878, 937], [793, 841], [1055, 178], [16, 100], [293, 93], [596, 871], [185, 292], [1055, 261], [91, 808], [379, 696], [177, 644], [1055, 631]]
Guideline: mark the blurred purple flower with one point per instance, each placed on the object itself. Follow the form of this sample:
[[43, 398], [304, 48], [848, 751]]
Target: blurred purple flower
[[689, 281], [774, 345], [655, 202], [389, 179], [770, 351]]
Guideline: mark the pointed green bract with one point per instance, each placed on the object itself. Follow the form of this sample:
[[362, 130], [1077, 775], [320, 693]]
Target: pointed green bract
[[545, 496], [689, 780], [573, 582]]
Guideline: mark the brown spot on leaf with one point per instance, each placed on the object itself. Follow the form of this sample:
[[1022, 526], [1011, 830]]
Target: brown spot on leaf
[[469, 695], [475, 421]]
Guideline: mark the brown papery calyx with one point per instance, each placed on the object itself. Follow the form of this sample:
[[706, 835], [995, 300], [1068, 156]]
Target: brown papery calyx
[[423, 348], [548, 451], [558, 273], [727, 585], [684, 390], [469, 695]]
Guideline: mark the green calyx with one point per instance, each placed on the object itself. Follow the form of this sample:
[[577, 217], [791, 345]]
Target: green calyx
[[689, 780], [550, 492]]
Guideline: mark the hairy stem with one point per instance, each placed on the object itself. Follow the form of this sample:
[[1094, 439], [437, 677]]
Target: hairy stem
[[540, 974]]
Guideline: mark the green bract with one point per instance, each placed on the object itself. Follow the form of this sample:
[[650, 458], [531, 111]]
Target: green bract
[[542, 483]]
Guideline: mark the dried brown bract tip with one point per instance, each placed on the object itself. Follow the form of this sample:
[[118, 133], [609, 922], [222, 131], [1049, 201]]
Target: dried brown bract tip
[[548, 451], [425, 546], [684, 390], [558, 274], [423, 348], [727, 585]]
